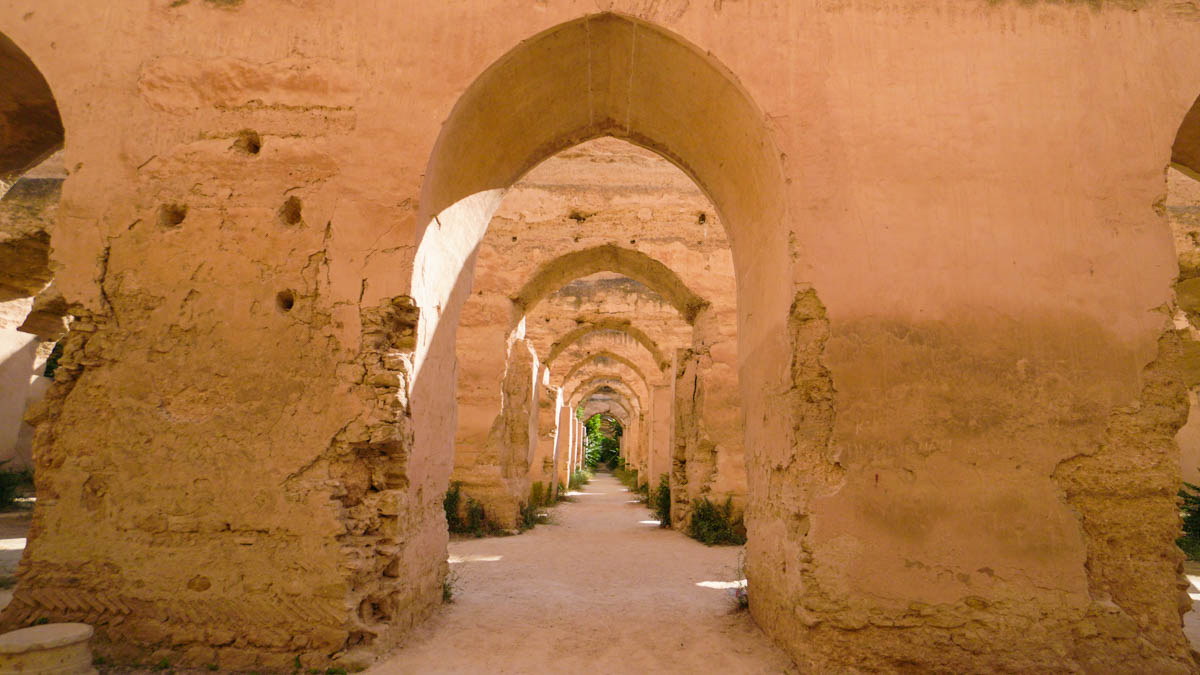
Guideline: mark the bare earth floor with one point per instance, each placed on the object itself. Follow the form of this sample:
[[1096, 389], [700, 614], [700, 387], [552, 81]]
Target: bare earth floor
[[601, 589]]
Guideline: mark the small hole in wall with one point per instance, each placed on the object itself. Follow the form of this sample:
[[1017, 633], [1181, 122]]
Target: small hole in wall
[[248, 141], [514, 238], [289, 213], [285, 300], [633, 242], [171, 215], [703, 218]]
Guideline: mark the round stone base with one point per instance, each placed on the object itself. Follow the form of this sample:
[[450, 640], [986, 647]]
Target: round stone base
[[52, 649]]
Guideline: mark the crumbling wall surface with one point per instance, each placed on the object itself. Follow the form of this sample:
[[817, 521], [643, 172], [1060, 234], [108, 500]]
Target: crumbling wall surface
[[1097, 516], [222, 461]]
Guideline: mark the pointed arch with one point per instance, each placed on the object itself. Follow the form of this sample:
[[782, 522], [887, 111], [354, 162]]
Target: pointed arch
[[1185, 152], [592, 358], [619, 325], [608, 258], [34, 128]]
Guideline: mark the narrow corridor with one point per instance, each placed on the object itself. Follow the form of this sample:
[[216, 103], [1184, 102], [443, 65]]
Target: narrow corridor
[[601, 589]]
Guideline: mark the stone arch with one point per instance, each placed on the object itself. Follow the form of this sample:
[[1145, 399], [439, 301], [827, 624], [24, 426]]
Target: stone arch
[[605, 355], [617, 397], [34, 128], [1185, 151], [589, 386], [594, 406], [619, 325], [608, 258], [603, 74], [617, 372], [599, 75]]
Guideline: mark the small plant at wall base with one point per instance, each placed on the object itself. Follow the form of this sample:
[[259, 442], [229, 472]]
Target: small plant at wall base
[[449, 584], [660, 502], [475, 523], [1190, 508], [529, 516], [714, 524], [579, 479]]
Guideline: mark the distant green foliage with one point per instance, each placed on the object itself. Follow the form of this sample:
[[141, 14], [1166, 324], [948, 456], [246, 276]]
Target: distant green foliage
[[715, 524], [660, 501], [1190, 506], [52, 360], [602, 441]]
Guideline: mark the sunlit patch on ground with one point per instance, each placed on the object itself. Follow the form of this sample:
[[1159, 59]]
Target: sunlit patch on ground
[[455, 558], [722, 585]]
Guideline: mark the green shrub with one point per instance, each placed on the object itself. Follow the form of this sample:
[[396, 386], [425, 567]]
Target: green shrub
[[599, 447], [715, 524], [476, 521], [529, 516], [450, 503], [660, 501], [1190, 507], [540, 494]]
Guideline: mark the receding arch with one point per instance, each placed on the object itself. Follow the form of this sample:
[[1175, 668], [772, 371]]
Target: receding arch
[[573, 82], [591, 358], [592, 406], [34, 128], [598, 75], [616, 372], [608, 258], [613, 382], [618, 325], [610, 394]]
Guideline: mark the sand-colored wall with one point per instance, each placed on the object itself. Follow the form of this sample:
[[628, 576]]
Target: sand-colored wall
[[941, 478]]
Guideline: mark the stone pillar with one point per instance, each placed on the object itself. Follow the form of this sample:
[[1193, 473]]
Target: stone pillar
[[659, 451], [562, 447], [498, 474], [541, 469]]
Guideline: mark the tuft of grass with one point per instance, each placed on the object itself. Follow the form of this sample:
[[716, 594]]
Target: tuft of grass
[[211, 666], [715, 525], [579, 479], [628, 477], [741, 594], [660, 501], [162, 664], [449, 584]]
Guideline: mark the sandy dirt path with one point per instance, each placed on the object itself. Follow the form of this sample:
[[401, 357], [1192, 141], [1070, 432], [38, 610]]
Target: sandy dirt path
[[599, 590]]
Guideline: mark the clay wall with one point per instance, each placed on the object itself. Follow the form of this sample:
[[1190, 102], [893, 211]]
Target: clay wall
[[958, 370]]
